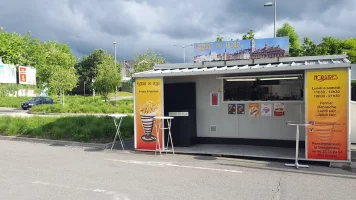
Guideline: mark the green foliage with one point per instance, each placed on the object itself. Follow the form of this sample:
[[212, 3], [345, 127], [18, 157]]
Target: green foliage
[[294, 44], [147, 60], [44, 56], [79, 104], [88, 67], [12, 102], [353, 83], [63, 80], [219, 38], [249, 35], [108, 78], [309, 48], [80, 129]]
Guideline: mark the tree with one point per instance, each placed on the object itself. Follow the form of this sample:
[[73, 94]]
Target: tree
[[147, 60], [63, 80], [294, 43], [349, 46], [219, 38], [249, 35], [309, 48], [108, 78]]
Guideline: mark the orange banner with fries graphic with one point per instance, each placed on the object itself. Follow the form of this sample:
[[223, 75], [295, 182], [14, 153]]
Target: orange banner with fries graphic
[[148, 103], [327, 112]]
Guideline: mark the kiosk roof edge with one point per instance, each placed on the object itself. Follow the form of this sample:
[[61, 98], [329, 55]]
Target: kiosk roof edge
[[247, 66]]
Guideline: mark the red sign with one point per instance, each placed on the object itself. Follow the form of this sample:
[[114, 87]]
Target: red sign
[[22, 74], [214, 99]]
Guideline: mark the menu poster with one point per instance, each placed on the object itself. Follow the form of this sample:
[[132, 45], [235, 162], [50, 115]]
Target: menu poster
[[253, 109], [327, 112], [240, 109], [279, 109], [148, 105], [266, 109], [214, 99], [232, 108]]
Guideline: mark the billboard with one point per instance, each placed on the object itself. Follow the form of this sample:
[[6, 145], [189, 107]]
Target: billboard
[[241, 49], [27, 75], [7, 73], [327, 112], [148, 105]]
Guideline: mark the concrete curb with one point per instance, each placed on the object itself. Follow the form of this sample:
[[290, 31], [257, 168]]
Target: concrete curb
[[56, 142]]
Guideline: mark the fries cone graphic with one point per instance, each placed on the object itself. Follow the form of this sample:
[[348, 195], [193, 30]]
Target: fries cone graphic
[[148, 123]]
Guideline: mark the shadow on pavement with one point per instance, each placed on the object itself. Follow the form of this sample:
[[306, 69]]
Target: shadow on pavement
[[312, 170], [94, 149], [205, 158], [57, 145]]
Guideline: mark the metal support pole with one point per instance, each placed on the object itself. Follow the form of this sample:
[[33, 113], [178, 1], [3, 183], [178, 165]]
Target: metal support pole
[[275, 17]]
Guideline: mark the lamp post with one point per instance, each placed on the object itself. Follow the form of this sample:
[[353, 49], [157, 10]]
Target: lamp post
[[115, 68], [274, 4], [183, 47]]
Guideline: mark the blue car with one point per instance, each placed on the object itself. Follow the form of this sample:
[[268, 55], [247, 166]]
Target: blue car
[[36, 101]]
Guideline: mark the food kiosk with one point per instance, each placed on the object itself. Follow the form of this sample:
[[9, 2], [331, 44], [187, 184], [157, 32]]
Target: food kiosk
[[248, 102]]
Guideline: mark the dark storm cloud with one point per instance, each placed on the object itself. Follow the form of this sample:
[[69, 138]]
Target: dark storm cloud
[[140, 24]]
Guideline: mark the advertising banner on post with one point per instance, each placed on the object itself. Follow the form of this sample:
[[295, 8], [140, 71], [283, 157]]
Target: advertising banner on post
[[148, 104], [241, 49], [27, 75], [327, 113], [7, 73]]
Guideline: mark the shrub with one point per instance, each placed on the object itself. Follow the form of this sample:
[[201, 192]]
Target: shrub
[[80, 129]]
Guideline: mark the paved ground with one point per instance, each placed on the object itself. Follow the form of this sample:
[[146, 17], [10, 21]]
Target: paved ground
[[34, 171], [13, 111]]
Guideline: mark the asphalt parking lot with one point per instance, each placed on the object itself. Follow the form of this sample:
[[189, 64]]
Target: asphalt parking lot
[[41, 171]]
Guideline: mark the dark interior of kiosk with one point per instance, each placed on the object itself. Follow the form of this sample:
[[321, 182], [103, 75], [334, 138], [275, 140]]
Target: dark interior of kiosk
[[181, 97], [264, 88]]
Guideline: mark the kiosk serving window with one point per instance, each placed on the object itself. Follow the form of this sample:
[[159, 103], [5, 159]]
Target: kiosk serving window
[[263, 88]]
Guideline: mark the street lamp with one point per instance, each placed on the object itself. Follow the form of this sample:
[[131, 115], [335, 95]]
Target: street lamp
[[274, 4], [183, 47], [115, 68]]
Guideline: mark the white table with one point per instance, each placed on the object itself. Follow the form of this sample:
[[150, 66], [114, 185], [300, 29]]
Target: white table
[[158, 127], [118, 117], [296, 164]]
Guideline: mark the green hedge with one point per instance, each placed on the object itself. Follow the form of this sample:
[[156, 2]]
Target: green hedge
[[13, 102], [80, 129], [74, 104]]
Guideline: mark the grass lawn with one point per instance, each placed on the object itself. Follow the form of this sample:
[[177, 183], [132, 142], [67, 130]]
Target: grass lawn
[[73, 104], [79, 129]]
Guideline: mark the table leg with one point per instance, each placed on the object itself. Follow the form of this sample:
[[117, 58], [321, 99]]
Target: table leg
[[119, 133], [169, 122], [296, 164], [158, 141], [113, 143]]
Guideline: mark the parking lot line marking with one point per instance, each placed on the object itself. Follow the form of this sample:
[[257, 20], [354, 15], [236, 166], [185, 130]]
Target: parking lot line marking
[[115, 195], [168, 164]]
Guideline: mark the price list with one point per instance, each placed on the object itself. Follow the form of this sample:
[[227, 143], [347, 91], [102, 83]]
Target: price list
[[327, 111]]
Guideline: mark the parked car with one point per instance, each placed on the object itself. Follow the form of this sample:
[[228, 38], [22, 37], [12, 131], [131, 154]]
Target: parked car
[[36, 101]]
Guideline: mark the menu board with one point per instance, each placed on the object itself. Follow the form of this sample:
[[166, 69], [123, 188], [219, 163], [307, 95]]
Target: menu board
[[327, 112]]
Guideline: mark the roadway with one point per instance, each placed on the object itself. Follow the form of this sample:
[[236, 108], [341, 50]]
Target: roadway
[[35, 171]]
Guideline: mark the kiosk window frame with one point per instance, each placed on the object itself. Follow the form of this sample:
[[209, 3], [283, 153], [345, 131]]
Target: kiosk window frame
[[274, 80]]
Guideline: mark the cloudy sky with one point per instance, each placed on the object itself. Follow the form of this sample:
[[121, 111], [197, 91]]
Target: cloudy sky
[[159, 24]]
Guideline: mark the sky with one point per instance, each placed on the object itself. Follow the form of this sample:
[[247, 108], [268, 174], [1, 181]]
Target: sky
[[138, 25]]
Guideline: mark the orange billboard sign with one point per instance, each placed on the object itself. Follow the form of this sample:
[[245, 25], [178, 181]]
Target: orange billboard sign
[[327, 112], [148, 105]]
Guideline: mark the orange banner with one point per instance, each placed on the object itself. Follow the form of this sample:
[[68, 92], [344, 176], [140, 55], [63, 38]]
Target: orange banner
[[327, 112], [148, 102]]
